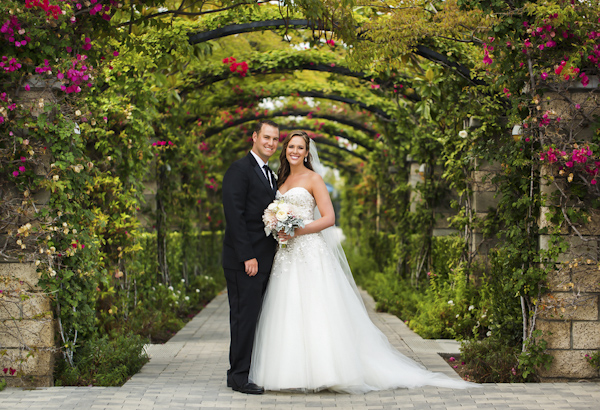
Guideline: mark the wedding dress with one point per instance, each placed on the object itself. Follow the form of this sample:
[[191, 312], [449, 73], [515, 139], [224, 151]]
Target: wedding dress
[[314, 332]]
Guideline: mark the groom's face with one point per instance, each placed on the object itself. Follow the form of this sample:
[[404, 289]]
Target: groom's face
[[265, 142]]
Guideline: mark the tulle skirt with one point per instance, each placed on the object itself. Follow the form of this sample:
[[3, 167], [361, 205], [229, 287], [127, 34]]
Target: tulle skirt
[[314, 332]]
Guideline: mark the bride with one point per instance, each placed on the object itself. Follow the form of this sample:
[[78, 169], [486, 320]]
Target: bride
[[314, 332]]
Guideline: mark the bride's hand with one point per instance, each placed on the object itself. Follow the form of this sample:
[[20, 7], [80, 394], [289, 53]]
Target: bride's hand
[[284, 237]]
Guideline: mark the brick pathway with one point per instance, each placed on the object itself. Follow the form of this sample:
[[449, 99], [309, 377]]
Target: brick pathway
[[188, 372]]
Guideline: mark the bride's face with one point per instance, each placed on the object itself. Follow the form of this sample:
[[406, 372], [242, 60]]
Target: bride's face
[[296, 150]]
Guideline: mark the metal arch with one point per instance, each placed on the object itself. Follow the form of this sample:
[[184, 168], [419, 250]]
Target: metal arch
[[317, 94], [300, 23], [341, 70], [299, 113], [249, 27]]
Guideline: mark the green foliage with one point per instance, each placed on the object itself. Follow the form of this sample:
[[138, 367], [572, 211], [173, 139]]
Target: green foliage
[[447, 310], [102, 361], [593, 360], [534, 356], [491, 360], [139, 302]]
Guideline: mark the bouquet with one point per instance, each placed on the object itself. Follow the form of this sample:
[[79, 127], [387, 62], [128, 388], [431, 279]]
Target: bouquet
[[278, 216]]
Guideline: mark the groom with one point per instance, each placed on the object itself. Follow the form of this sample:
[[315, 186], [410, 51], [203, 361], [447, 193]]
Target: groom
[[249, 186]]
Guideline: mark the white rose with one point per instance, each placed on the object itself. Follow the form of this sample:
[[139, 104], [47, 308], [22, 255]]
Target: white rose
[[281, 215], [272, 206]]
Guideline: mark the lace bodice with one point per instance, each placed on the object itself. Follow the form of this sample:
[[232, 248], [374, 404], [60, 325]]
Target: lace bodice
[[301, 247], [303, 200]]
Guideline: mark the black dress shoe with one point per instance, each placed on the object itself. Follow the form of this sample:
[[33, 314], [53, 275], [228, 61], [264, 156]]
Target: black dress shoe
[[249, 388]]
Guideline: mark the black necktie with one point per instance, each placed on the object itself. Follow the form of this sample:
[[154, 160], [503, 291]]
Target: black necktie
[[268, 172]]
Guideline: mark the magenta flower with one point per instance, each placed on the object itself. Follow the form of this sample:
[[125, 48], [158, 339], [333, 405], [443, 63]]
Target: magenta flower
[[15, 173], [23, 159], [593, 182], [544, 76], [21, 168], [27, 87]]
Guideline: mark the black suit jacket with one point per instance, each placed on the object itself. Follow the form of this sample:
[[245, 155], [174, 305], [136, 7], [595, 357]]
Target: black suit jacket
[[246, 194]]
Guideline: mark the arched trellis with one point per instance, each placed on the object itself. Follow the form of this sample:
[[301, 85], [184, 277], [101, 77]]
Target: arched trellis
[[420, 49], [302, 64], [300, 113], [247, 98]]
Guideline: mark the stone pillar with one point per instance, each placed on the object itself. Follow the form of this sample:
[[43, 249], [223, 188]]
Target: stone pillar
[[569, 316], [569, 313], [416, 176], [26, 328], [484, 198]]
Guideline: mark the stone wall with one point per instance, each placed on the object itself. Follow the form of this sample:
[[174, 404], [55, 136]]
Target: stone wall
[[569, 317], [26, 328]]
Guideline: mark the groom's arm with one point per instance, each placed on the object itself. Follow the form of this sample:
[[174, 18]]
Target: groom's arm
[[235, 190]]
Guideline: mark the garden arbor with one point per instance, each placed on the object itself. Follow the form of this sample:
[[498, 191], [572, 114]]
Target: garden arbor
[[167, 92], [473, 194]]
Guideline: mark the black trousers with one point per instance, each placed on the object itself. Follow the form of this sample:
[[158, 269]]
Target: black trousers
[[245, 300]]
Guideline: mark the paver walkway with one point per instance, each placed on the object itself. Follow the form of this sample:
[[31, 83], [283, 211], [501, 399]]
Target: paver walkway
[[188, 372]]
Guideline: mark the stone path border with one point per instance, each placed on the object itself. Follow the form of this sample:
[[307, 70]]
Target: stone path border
[[188, 372]]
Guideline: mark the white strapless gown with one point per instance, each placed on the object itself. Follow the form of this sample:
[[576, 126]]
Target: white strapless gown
[[314, 333]]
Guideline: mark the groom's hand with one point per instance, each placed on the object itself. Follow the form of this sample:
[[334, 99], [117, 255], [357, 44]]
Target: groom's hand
[[251, 267]]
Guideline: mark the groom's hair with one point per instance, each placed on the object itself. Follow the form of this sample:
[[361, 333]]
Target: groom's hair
[[260, 124]]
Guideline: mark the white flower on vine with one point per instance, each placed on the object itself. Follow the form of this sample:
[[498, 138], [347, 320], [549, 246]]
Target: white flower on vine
[[463, 134], [451, 302]]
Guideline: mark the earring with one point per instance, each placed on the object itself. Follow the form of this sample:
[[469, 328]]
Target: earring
[[305, 159]]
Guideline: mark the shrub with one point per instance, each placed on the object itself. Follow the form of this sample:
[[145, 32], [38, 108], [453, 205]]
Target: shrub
[[491, 360], [448, 308], [104, 362]]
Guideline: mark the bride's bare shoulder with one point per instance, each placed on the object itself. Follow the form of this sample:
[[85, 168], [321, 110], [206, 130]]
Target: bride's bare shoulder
[[316, 182]]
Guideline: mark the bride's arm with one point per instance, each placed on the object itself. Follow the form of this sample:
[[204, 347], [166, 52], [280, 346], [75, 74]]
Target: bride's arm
[[327, 219]]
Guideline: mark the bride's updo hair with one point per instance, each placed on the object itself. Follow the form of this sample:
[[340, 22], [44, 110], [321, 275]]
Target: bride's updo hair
[[284, 165]]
